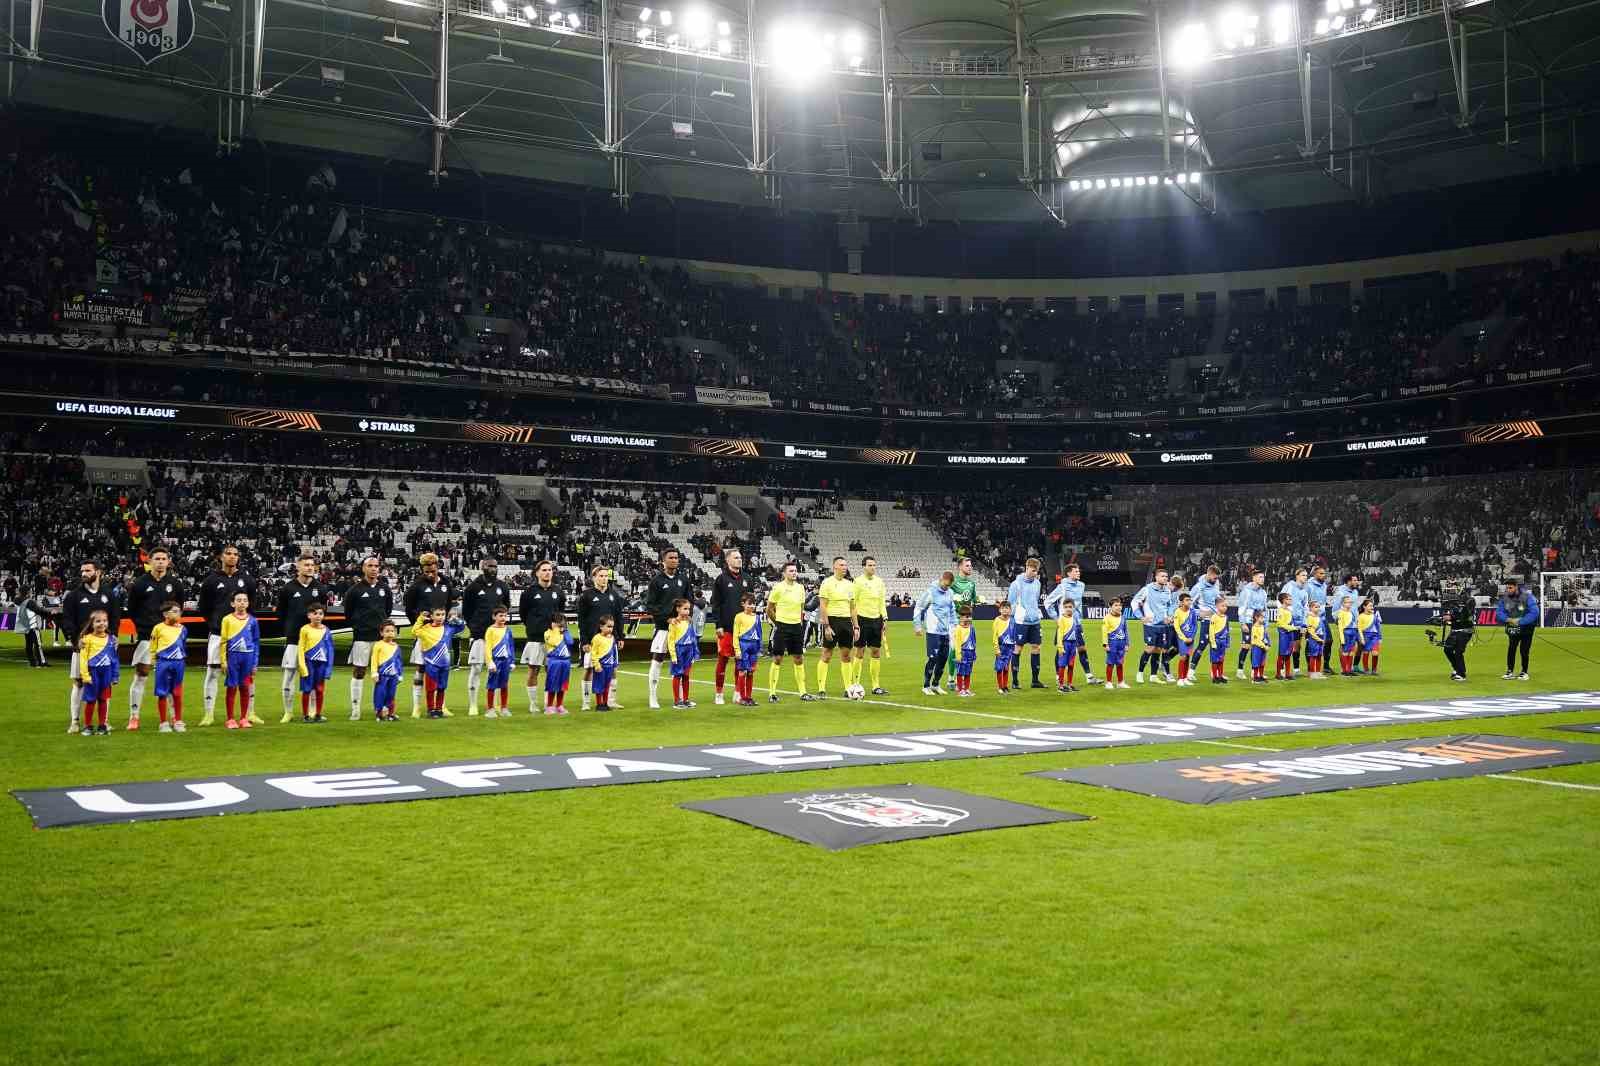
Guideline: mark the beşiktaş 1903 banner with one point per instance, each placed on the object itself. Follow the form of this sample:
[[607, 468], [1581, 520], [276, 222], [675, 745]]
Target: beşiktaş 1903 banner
[[1331, 769], [197, 797]]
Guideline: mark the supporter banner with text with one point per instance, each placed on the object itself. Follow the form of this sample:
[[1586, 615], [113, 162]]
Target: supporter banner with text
[[1331, 769], [197, 797], [190, 415], [731, 397]]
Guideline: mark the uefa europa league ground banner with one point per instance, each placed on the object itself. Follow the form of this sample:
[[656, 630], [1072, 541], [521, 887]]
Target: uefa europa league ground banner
[[1333, 769], [877, 814], [1586, 727], [199, 797]]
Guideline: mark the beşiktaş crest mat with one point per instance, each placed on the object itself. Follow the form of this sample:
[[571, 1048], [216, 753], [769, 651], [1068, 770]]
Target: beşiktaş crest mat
[[877, 814], [1331, 769], [1584, 727], [200, 796]]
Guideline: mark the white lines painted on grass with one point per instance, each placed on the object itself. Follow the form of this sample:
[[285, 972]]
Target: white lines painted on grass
[[1231, 744], [889, 703], [1544, 781]]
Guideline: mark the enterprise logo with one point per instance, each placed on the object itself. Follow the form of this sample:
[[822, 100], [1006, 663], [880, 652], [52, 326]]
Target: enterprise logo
[[987, 460], [792, 452], [1384, 445], [375, 426], [1186, 457], [611, 439], [122, 410]]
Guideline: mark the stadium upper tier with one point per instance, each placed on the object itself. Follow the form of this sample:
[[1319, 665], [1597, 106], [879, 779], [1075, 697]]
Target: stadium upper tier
[[192, 255]]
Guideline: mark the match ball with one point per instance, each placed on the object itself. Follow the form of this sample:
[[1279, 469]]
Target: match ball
[[856, 692]]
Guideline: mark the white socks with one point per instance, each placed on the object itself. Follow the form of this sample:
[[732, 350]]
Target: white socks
[[213, 675], [355, 698], [289, 675], [655, 682], [75, 703], [416, 698], [533, 699], [474, 673], [587, 683], [136, 695]]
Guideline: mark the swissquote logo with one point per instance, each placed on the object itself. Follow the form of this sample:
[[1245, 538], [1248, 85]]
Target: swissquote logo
[[150, 29], [878, 812]]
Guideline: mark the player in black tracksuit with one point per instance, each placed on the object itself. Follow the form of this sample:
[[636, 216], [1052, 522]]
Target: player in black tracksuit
[[665, 589], [293, 601], [595, 603], [540, 603], [726, 593], [368, 604], [483, 594], [94, 594], [215, 599], [146, 594]]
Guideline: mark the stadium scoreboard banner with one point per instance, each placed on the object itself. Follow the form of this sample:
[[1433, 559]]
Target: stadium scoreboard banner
[[193, 415], [197, 797]]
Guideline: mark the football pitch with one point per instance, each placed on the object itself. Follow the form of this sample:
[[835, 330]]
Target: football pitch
[[1451, 920]]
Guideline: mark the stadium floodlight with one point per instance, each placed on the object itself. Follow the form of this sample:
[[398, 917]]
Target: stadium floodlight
[[1332, 7], [724, 46], [644, 14], [798, 53], [499, 6], [1337, 24], [1282, 24], [1194, 177], [573, 20], [697, 22], [1192, 46], [666, 18], [723, 29], [1322, 27], [1074, 184], [643, 33], [1368, 14], [1238, 29], [528, 13], [1183, 179], [1099, 183], [672, 40], [1116, 183]]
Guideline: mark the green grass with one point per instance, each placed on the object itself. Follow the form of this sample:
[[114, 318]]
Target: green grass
[[1450, 920]]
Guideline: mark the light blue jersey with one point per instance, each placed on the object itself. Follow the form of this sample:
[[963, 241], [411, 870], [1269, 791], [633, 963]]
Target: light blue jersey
[[1298, 595], [1023, 595], [935, 611], [1252, 600], [1153, 604], [1066, 589], [1206, 592]]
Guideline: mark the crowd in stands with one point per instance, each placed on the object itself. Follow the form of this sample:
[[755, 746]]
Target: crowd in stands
[[206, 257]]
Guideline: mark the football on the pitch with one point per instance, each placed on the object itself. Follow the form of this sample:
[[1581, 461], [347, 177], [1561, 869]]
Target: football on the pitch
[[856, 692]]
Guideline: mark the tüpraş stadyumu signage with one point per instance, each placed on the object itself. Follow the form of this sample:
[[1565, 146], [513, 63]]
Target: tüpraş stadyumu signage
[[201, 796]]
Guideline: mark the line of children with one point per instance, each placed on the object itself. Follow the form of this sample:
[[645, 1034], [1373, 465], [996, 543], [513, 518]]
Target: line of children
[[1069, 642], [1114, 640], [747, 639], [683, 648], [964, 642], [169, 643], [1005, 646]]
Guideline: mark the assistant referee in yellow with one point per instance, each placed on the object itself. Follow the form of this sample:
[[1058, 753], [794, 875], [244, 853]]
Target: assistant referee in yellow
[[786, 613], [840, 627]]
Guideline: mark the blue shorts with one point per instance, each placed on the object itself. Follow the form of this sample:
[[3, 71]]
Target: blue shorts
[[499, 676], [602, 679], [1003, 660], [1158, 635], [1286, 640], [748, 657], [1219, 651], [102, 679], [1258, 657], [383, 693], [169, 675], [1350, 642], [1065, 656], [241, 667], [937, 643], [439, 675], [319, 674], [1115, 654], [1314, 648], [1028, 634], [556, 674]]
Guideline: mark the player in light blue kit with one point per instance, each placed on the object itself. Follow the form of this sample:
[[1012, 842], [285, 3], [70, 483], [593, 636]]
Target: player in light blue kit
[[1071, 588]]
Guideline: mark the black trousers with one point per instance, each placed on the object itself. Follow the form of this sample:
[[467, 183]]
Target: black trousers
[[1522, 642], [35, 646], [1455, 650]]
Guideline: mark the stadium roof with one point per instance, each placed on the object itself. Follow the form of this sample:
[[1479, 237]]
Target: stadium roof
[[1271, 105]]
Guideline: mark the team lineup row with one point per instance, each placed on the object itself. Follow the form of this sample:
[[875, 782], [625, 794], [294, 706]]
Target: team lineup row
[[1178, 625]]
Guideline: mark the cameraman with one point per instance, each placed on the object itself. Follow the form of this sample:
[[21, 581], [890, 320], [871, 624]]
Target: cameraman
[[1459, 615], [1518, 611]]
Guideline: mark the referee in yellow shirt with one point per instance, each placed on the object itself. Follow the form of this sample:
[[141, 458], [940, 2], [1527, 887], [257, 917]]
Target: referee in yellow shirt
[[872, 613], [840, 627], [786, 612]]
